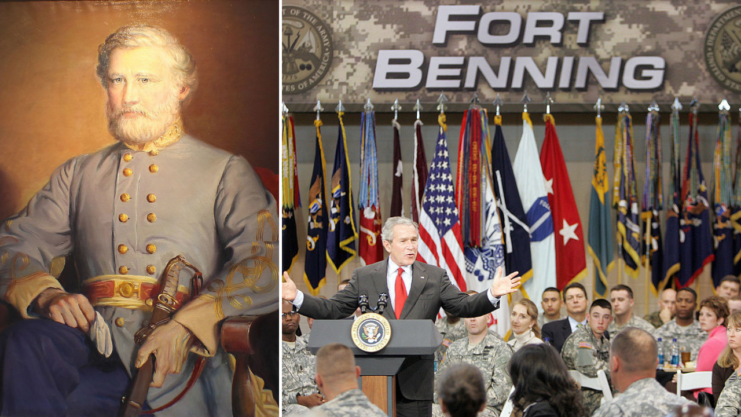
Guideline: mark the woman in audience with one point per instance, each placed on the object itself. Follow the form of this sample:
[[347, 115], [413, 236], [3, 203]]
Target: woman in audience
[[728, 361], [524, 322], [713, 315], [543, 386]]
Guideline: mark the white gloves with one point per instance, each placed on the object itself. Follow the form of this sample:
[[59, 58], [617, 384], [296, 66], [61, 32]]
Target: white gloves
[[100, 334]]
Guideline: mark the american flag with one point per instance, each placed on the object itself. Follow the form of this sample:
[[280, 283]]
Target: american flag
[[439, 226]]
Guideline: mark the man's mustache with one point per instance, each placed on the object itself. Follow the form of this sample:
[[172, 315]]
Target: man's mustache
[[120, 112]]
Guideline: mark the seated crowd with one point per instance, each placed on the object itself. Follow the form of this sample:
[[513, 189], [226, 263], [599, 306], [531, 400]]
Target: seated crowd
[[478, 372]]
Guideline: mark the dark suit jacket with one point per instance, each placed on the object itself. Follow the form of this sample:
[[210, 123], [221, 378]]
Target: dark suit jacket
[[557, 331], [431, 289]]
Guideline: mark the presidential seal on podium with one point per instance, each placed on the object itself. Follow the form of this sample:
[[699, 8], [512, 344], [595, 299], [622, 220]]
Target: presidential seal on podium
[[371, 332]]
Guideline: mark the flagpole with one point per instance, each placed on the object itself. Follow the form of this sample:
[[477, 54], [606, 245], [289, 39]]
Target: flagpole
[[648, 261]]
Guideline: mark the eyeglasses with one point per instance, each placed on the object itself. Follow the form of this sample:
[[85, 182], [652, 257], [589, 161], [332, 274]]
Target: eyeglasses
[[289, 314]]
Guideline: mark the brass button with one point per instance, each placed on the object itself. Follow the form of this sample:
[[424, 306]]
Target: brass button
[[122, 249], [128, 157], [120, 322], [151, 248], [151, 217], [127, 172], [151, 269], [123, 218], [125, 197], [153, 168], [149, 302], [151, 198], [123, 270], [154, 152], [126, 289]]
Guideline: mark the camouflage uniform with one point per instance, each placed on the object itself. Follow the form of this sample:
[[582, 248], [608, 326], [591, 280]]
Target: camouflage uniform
[[350, 403], [729, 402], [450, 333], [299, 369], [690, 338], [584, 353], [645, 397], [542, 320], [654, 319], [634, 321], [491, 357]]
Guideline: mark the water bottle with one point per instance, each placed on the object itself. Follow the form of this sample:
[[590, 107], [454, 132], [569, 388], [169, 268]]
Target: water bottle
[[661, 354], [547, 340], [675, 353]]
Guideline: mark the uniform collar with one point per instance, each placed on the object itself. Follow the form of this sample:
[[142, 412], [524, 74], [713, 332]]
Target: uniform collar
[[172, 135]]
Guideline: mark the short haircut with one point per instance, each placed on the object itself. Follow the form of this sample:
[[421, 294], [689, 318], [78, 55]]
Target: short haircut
[[387, 233], [551, 289], [472, 292], [179, 60], [461, 388], [730, 278], [636, 348], [335, 362], [622, 287], [600, 302], [727, 358], [575, 285], [343, 282], [689, 290], [735, 298], [718, 305]]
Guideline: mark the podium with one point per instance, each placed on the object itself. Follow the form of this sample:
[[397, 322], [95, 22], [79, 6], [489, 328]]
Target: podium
[[378, 369]]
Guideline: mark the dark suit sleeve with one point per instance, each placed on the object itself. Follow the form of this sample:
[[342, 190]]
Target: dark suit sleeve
[[340, 306], [547, 332], [461, 304]]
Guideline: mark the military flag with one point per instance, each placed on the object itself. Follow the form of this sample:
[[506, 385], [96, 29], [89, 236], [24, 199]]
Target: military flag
[[628, 223], [397, 192], [369, 204], [291, 198], [672, 260], [653, 203], [341, 235], [736, 205], [468, 193], [315, 268], [695, 245], [600, 230], [722, 200], [419, 175], [571, 260], [532, 186], [439, 226], [515, 230]]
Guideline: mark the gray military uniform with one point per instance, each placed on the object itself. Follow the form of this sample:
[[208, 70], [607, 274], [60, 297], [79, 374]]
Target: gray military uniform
[[122, 215], [299, 369], [645, 397], [689, 337], [634, 321], [584, 353], [729, 402], [491, 356], [351, 403]]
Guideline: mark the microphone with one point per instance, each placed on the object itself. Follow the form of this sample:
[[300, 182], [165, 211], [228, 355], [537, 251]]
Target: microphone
[[363, 303], [383, 301]]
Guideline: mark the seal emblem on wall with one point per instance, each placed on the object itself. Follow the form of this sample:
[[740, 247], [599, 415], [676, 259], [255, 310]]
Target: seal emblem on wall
[[371, 332], [307, 49], [722, 48]]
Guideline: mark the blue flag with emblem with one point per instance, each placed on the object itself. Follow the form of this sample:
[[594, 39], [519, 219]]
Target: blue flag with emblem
[[533, 193], [341, 235], [653, 203], [672, 261], [315, 268], [628, 208], [722, 198]]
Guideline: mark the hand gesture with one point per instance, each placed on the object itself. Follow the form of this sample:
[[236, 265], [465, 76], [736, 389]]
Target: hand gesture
[[504, 285], [288, 288]]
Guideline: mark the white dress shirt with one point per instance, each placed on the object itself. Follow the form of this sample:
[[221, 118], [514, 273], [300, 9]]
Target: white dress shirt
[[573, 323]]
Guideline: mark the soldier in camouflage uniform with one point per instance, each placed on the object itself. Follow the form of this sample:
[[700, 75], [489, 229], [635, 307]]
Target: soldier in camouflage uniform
[[551, 303], [683, 327], [667, 303], [729, 402], [299, 389], [450, 333], [491, 355], [633, 365], [621, 298], [587, 350]]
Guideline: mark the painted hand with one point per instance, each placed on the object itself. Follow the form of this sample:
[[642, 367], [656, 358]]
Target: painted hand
[[170, 345], [74, 310]]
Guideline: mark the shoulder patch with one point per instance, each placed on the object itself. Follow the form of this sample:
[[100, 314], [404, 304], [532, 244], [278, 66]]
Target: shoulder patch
[[586, 345]]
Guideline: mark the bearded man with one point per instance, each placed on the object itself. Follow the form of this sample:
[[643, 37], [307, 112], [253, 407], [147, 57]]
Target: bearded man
[[122, 213]]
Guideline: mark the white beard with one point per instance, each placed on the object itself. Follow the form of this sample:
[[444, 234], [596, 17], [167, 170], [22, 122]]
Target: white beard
[[150, 126]]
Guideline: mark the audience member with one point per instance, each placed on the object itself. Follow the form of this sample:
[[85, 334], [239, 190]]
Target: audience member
[[729, 287], [299, 389], [667, 309], [461, 391], [734, 304], [451, 328], [713, 314], [730, 359], [556, 332], [633, 362], [551, 303], [621, 298], [683, 327], [543, 386], [337, 378], [729, 401], [587, 350], [524, 322]]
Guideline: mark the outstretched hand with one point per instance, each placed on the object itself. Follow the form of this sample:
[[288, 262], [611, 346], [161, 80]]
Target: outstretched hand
[[288, 288], [504, 285]]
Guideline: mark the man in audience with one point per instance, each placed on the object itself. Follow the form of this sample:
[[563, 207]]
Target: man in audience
[[633, 361], [556, 332], [729, 287], [337, 378], [484, 349], [451, 328], [587, 350], [683, 327], [621, 298], [461, 391], [551, 303], [734, 304], [667, 309], [299, 389]]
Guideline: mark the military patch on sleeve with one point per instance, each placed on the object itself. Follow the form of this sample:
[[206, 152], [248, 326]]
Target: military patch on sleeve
[[585, 345], [446, 343]]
